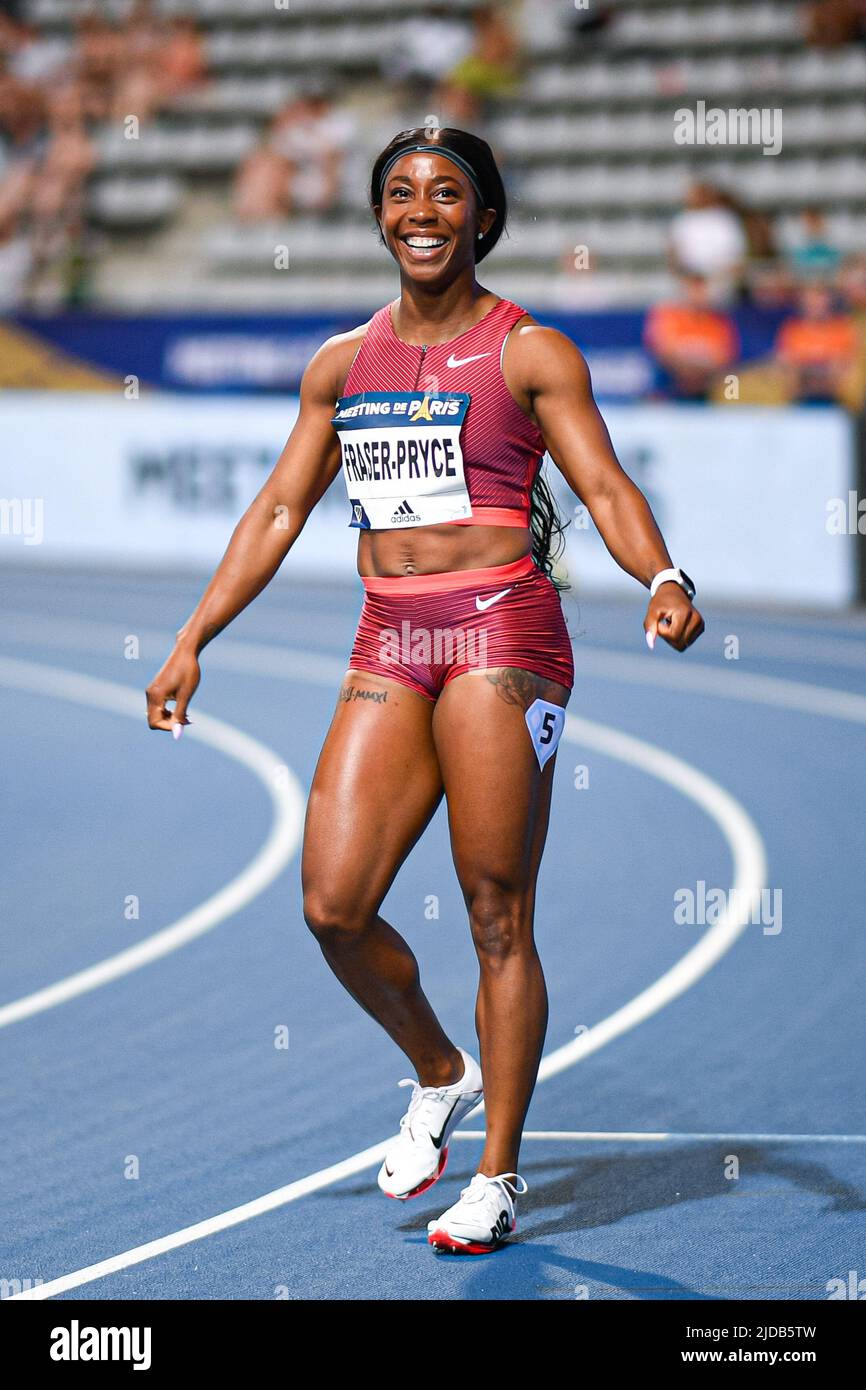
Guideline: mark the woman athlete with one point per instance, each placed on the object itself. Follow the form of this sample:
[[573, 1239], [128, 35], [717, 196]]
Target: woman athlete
[[439, 411]]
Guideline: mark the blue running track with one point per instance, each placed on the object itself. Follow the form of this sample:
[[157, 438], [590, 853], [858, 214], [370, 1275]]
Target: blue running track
[[709, 1143]]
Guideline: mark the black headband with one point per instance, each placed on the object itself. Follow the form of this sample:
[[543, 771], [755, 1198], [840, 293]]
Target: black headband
[[434, 149]]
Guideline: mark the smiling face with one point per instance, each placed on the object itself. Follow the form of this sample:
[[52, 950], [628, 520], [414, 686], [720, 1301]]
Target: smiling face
[[430, 218]]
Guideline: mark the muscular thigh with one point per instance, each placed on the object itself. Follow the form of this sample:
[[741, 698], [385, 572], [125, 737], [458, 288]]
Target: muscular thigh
[[497, 792], [376, 785]]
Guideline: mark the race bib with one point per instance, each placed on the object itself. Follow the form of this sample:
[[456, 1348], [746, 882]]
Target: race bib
[[402, 460], [545, 723]]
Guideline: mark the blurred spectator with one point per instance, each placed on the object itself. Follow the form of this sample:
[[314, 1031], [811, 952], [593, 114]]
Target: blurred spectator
[[591, 19], [427, 47], [817, 347], [813, 254], [15, 264], [33, 58], [833, 22], [762, 272], [53, 91], [160, 61], [22, 146], [98, 59], [707, 239], [692, 341], [487, 73], [299, 165], [138, 87], [757, 229], [183, 58], [22, 105], [851, 281], [57, 195]]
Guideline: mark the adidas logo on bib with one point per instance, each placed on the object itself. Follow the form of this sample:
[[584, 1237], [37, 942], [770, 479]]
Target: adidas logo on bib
[[404, 515]]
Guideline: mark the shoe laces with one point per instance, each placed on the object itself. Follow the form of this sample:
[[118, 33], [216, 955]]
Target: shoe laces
[[477, 1190], [419, 1112]]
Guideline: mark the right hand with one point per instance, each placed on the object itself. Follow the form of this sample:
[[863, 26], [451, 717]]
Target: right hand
[[177, 680]]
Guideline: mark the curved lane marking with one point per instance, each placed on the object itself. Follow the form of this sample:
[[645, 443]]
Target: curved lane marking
[[283, 787]]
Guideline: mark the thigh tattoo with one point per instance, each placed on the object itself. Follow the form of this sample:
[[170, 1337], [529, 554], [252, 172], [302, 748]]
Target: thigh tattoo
[[356, 692]]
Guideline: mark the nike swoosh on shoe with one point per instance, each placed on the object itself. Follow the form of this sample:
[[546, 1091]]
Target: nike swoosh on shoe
[[436, 1140]]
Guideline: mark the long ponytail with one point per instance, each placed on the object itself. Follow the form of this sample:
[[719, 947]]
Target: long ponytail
[[547, 527]]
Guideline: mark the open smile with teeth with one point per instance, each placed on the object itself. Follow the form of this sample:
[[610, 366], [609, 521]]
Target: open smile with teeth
[[424, 243]]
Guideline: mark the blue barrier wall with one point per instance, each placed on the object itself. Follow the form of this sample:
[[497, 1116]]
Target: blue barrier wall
[[268, 353]]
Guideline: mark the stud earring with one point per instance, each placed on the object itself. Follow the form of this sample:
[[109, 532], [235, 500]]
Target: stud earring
[[480, 236]]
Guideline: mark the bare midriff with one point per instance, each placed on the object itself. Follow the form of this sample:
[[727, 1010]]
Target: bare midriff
[[440, 549]]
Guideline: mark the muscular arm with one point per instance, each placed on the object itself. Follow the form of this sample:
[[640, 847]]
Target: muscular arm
[[277, 515], [550, 379]]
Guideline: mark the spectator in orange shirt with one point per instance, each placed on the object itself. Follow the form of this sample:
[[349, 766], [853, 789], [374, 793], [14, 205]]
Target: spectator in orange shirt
[[692, 342], [817, 347]]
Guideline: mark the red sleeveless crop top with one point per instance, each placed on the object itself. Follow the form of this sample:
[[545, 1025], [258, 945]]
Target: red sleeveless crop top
[[502, 447]]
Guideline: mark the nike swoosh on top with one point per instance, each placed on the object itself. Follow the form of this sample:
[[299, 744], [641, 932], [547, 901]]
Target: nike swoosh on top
[[482, 603], [461, 361]]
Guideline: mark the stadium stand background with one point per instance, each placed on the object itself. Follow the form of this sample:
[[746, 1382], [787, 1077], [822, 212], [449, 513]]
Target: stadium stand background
[[142, 218]]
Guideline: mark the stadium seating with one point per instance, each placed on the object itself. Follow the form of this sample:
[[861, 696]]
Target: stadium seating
[[587, 145]]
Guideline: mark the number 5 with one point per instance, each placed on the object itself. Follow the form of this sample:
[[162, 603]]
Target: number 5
[[548, 726]]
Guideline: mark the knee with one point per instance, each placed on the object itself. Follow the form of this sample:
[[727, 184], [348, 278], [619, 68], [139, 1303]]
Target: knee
[[332, 921], [500, 920]]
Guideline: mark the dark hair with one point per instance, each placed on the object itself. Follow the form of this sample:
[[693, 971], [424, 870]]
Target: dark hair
[[473, 151], [547, 528]]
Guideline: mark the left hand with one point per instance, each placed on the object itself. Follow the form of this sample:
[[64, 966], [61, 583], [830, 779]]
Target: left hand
[[670, 615]]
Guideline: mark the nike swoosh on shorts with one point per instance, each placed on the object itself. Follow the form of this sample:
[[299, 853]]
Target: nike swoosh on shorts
[[482, 603]]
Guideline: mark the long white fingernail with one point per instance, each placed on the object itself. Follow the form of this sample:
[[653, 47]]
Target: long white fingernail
[[650, 640], [176, 730]]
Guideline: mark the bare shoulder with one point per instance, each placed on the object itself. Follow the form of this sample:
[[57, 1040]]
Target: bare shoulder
[[327, 369], [540, 358]]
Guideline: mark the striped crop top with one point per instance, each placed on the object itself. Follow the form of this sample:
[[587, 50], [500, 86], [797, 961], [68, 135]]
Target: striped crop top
[[432, 434]]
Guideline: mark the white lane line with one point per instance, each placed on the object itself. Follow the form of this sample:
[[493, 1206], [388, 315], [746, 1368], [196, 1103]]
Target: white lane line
[[749, 872], [287, 799], [302, 1187], [672, 1136]]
